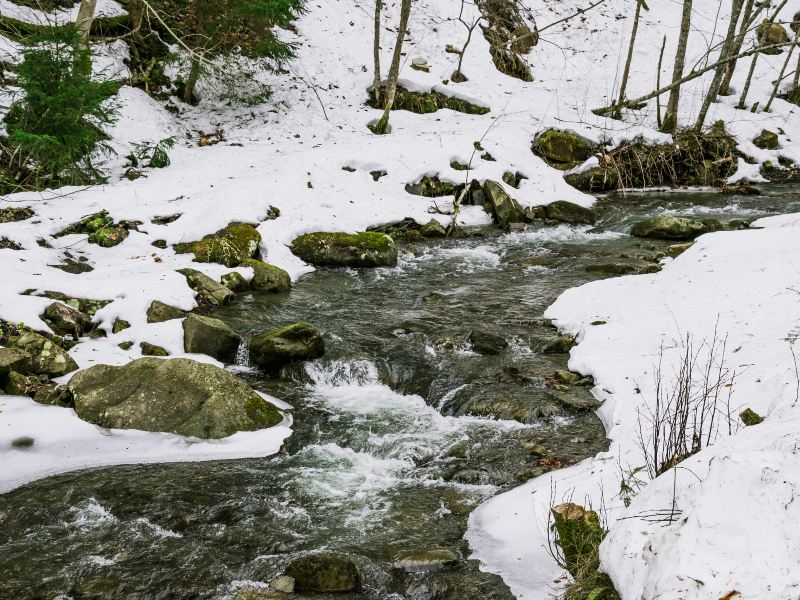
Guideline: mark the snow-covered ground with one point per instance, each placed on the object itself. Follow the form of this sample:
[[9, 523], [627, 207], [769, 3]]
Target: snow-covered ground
[[289, 152]]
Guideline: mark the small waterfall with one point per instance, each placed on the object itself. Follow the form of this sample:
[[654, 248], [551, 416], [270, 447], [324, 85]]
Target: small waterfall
[[342, 373]]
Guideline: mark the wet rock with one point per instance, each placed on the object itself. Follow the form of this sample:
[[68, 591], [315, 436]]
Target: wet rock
[[13, 359], [712, 225], [158, 312], [179, 396], [668, 228], [596, 179], [268, 278], [366, 249], [568, 212], [229, 246], [65, 320], [750, 417], [423, 561], [558, 345], [610, 270], [767, 140], [506, 210], [204, 335], [433, 229], [284, 584], [235, 282], [296, 342], [324, 572], [209, 292], [486, 342], [562, 149], [120, 325], [676, 250], [567, 377], [650, 269], [47, 357], [149, 349]]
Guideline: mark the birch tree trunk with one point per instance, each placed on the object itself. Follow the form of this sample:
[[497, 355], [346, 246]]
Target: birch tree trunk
[[626, 73], [376, 52], [725, 86], [761, 42], [671, 113], [779, 81], [382, 125], [84, 21], [726, 52]]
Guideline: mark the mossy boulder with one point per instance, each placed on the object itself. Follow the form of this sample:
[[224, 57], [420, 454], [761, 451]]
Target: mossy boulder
[[108, 237], [506, 210], [176, 395], [676, 250], [47, 357], [235, 282], [149, 349], [268, 278], [596, 179], [431, 187], [750, 417], [65, 320], [13, 359], [158, 312], [433, 229], [767, 140], [324, 572], [569, 212], [120, 325], [668, 228], [486, 342], [365, 249], [209, 292], [229, 246], [88, 224], [579, 534], [563, 149], [772, 33], [205, 335], [561, 344], [428, 102], [297, 342]]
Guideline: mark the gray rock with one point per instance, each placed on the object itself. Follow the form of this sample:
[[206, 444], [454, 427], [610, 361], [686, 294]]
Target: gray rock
[[209, 292], [562, 147], [433, 229], [204, 335], [324, 572], [506, 209], [558, 345], [158, 312], [235, 282], [485, 342], [177, 395], [13, 359], [611, 269], [568, 212], [268, 278], [668, 228], [283, 583], [47, 357], [299, 341], [149, 349], [65, 320], [365, 249]]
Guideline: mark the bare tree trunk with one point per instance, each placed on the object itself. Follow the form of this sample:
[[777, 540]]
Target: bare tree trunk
[[84, 21], [191, 81], [725, 52], [376, 52], [747, 20], [626, 73], [394, 71], [658, 82], [796, 80], [136, 13], [671, 116], [780, 75], [761, 42]]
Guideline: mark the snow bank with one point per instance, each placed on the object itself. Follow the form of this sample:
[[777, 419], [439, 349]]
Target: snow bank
[[735, 500], [63, 442]]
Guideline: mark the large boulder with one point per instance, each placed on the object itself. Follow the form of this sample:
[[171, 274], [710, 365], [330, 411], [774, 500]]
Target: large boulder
[[365, 249], [299, 341], [767, 140], [506, 209], [229, 246], [668, 228], [178, 396], [204, 335], [158, 312], [268, 278], [47, 357], [563, 149], [568, 212], [771, 34], [324, 572], [209, 292], [65, 320]]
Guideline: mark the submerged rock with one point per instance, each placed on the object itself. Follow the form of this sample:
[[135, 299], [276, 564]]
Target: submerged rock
[[506, 209], [229, 246], [325, 572], [365, 249], [268, 278], [569, 212], [669, 228], [485, 342], [296, 342], [47, 357], [179, 396], [204, 335]]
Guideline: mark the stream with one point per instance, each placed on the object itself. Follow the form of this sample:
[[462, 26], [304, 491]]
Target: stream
[[395, 439]]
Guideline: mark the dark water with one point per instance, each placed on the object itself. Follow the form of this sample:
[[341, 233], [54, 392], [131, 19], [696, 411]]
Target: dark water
[[394, 443]]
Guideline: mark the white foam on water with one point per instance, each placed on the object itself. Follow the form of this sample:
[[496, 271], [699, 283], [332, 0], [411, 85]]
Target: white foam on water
[[157, 530], [90, 515], [564, 234]]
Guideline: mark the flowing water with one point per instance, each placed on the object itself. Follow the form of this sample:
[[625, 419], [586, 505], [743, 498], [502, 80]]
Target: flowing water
[[394, 440]]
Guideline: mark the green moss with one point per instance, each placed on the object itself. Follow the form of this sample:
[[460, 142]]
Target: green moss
[[431, 187], [459, 166], [119, 325], [229, 246], [261, 413], [429, 102], [562, 149], [10, 214], [107, 237]]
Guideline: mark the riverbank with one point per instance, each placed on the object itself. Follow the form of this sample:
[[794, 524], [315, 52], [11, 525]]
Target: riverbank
[[733, 501]]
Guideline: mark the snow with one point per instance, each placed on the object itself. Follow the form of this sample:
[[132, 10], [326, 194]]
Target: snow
[[288, 152], [63, 442]]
